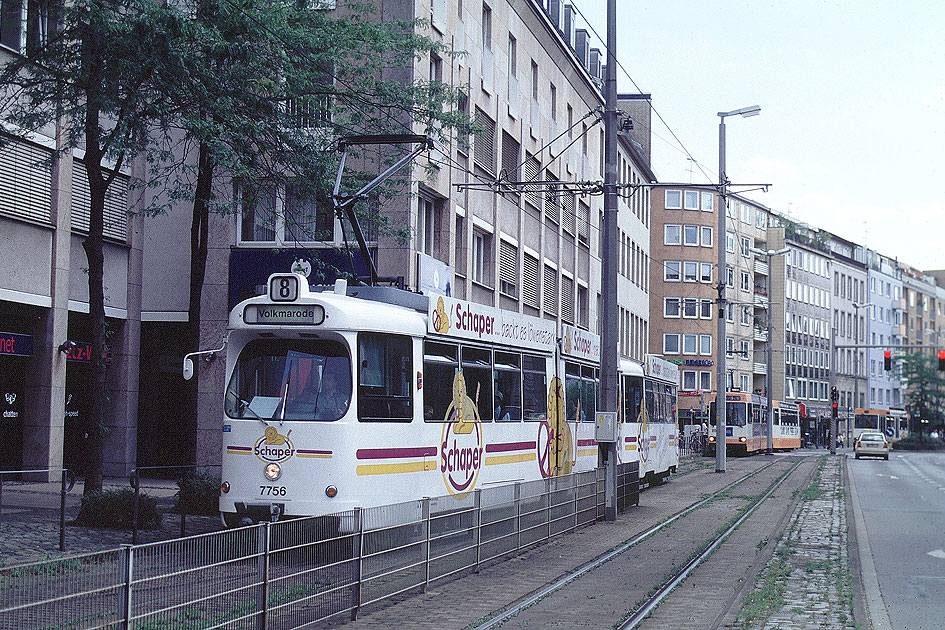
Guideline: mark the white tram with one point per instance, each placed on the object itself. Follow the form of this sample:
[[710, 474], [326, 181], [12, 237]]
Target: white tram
[[368, 396]]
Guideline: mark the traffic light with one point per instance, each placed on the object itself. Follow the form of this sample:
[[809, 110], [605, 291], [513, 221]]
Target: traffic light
[[887, 360], [941, 360], [834, 396]]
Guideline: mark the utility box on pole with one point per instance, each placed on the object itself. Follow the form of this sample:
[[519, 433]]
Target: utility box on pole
[[605, 426]]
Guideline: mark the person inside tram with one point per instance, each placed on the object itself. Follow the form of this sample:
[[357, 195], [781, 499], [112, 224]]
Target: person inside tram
[[332, 400]]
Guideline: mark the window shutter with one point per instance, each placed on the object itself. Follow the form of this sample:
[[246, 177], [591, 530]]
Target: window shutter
[[567, 300], [116, 204], [552, 199], [508, 268], [530, 282], [26, 182], [569, 219], [530, 173], [551, 290], [485, 142]]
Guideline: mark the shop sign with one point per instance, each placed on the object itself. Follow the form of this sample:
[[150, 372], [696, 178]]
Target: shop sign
[[81, 352], [11, 404], [15, 344]]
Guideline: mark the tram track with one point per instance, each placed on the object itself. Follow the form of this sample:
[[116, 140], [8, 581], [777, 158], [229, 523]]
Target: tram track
[[675, 577]]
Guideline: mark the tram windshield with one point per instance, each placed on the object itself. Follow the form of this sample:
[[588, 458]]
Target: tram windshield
[[736, 414], [866, 421], [290, 379]]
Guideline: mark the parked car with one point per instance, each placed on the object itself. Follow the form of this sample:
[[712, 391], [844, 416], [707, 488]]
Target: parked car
[[872, 443]]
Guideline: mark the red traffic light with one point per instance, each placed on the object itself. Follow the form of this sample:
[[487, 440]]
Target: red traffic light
[[834, 405], [887, 360], [941, 360]]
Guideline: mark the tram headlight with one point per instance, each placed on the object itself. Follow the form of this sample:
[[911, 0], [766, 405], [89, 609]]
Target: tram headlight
[[273, 471], [711, 439], [743, 439], [331, 492], [225, 487]]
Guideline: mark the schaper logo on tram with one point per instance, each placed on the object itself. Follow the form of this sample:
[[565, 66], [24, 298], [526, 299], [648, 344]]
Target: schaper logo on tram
[[273, 446], [441, 319], [461, 442]]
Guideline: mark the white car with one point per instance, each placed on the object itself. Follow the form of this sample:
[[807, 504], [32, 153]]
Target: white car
[[872, 443]]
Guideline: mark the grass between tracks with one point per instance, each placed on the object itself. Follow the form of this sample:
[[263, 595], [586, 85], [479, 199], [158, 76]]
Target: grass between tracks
[[767, 596]]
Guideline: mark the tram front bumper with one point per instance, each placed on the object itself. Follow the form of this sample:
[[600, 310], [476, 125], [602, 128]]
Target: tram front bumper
[[252, 513]]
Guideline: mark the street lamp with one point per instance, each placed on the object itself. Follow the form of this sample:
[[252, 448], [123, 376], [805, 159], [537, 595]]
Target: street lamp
[[720, 403], [768, 346]]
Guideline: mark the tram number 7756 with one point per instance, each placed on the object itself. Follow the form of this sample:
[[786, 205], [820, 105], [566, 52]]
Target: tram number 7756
[[272, 491]]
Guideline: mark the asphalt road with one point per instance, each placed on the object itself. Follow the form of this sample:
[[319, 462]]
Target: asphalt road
[[902, 502]]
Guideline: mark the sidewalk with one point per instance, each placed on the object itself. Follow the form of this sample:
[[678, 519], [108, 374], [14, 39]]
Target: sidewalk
[[29, 520]]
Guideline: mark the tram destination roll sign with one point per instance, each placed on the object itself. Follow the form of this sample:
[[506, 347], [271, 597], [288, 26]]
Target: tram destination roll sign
[[289, 314]]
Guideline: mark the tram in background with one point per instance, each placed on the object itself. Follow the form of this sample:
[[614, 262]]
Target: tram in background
[[785, 426], [893, 423], [369, 396], [746, 428]]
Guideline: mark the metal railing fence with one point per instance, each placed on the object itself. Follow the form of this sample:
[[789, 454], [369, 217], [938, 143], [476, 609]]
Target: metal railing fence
[[291, 573]]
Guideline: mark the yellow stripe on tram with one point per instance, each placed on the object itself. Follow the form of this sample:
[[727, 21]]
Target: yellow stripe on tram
[[583, 452], [391, 469], [229, 452], [495, 460], [315, 455]]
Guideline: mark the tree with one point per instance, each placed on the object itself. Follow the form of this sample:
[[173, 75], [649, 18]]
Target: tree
[[925, 393], [233, 81]]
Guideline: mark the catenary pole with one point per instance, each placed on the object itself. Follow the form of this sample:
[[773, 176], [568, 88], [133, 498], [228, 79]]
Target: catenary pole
[[608, 319]]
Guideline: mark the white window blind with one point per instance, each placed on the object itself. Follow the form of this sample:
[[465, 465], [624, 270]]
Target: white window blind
[[508, 268], [25, 182], [567, 299], [116, 204], [550, 282], [530, 282]]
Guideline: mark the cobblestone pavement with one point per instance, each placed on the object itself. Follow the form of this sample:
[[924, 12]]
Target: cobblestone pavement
[[818, 589], [29, 522]]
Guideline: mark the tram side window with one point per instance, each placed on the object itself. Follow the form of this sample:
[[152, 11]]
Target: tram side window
[[650, 400], [632, 398], [385, 366], [440, 364], [573, 388], [534, 388], [507, 377], [591, 393], [477, 372]]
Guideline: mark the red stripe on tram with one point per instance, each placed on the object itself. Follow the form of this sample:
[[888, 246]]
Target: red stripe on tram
[[386, 453], [510, 446], [587, 442], [240, 448]]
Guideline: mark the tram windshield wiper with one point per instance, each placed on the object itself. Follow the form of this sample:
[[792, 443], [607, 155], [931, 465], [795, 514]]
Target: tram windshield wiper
[[246, 407]]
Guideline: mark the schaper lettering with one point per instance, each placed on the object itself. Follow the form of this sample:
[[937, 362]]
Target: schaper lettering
[[475, 322]]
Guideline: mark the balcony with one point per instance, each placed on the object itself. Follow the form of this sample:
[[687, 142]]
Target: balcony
[[761, 267], [761, 300], [759, 368], [761, 334]]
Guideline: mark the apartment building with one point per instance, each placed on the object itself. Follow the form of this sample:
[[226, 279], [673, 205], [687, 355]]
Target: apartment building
[[804, 375], [884, 280], [850, 318], [684, 290]]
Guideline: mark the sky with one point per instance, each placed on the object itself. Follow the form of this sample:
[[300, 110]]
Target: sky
[[852, 97]]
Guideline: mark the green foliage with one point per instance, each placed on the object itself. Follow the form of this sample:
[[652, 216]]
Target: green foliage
[[925, 394], [115, 509], [198, 493]]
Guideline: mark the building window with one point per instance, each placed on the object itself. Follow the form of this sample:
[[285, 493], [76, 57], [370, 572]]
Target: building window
[[730, 276], [746, 245], [484, 143], [486, 27], [508, 268], [670, 343], [706, 236], [745, 281], [671, 307], [673, 199], [730, 242], [583, 307], [705, 309], [671, 271], [691, 235], [513, 56], [705, 272], [746, 386], [746, 316], [428, 223], [690, 308], [705, 345], [530, 280], [672, 234], [705, 381], [482, 248], [689, 379], [746, 214], [550, 282], [707, 201], [690, 271], [692, 200]]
